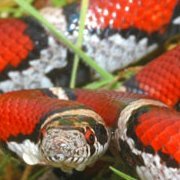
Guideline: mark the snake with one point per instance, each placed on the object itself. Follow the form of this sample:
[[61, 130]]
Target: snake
[[32, 58], [72, 128]]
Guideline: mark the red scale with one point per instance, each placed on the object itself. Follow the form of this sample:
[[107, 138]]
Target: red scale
[[15, 45], [164, 71], [123, 14], [159, 128], [21, 111]]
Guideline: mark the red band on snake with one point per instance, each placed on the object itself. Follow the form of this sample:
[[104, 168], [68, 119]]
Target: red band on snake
[[165, 84]]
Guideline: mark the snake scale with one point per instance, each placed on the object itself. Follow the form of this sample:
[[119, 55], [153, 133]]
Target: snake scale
[[72, 128]]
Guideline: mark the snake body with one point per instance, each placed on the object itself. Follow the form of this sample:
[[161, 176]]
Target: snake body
[[117, 34], [163, 85], [72, 128]]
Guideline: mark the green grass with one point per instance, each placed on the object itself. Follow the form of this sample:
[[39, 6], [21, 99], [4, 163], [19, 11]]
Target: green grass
[[59, 2], [121, 174], [84, 7], [14, 11]]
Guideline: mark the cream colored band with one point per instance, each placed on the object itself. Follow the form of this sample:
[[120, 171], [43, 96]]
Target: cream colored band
[[83, 112], [59, 92], [127, 111]]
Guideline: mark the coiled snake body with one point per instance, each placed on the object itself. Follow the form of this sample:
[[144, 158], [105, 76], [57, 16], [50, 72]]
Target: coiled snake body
[[72, 128], [117, 34]]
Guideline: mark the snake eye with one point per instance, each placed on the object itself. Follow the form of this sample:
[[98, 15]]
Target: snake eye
[[90, 137]]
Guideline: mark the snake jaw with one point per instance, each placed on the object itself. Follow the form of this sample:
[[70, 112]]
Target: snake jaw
[[71, 145]]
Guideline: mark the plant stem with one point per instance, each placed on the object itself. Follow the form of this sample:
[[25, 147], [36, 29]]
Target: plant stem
[[83, 11], [64, 40], [121, 174]]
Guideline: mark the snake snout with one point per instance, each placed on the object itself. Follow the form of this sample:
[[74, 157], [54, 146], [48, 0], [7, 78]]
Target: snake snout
[[63, 148]]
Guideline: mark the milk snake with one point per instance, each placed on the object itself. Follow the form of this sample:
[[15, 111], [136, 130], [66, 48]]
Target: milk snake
[[72, 128]]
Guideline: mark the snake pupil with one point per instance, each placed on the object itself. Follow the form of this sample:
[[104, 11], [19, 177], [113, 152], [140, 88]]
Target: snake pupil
[[91, 138]]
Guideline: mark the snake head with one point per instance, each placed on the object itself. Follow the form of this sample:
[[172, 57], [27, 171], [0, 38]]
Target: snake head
[[73, 141]]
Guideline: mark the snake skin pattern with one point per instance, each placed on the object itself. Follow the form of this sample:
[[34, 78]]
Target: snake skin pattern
[[52, 128], [165, 85], [72, 128], [117, 34]]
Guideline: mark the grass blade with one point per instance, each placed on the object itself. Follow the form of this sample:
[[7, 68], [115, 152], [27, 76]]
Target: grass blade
[[83, 11], [28, 8], [121, 174]]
